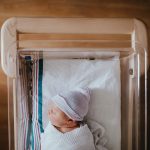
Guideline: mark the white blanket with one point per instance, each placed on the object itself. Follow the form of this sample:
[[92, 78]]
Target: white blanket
[[98, 132], [78, 139], [102, 77]]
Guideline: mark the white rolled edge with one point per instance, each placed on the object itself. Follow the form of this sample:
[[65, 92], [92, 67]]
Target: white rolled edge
[[9, 47]]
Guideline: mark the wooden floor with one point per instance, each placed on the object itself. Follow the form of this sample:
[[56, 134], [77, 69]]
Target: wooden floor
[[65, 8]]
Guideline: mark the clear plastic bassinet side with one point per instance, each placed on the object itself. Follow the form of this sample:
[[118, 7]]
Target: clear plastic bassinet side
[[136, 106]]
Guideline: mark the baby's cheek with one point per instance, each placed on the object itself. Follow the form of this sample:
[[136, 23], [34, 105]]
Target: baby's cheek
[[59, 118]]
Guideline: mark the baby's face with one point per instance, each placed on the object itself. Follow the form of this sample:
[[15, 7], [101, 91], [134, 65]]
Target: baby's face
[[57, 117]]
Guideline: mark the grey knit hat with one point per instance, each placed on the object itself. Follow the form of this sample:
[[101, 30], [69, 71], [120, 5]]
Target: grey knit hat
[[74, 103]]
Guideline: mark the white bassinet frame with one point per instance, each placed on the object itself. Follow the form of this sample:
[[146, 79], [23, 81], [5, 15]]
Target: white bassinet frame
[[125, 36]]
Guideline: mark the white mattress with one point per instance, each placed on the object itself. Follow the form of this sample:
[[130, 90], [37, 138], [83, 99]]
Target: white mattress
[[103, 78]]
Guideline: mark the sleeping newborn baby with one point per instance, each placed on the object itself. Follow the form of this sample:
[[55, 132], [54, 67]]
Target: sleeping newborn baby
[[65, 130]]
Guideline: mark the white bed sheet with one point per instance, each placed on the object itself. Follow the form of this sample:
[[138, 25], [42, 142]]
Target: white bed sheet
[[102, 77]]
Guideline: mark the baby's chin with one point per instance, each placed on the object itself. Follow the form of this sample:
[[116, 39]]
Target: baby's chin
[[53, 122]]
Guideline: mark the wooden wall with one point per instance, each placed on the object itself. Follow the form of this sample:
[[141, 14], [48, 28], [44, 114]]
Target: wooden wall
[[65, 8]]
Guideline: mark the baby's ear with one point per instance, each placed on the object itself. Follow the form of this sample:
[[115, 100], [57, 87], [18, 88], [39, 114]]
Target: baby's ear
[[71, 122]]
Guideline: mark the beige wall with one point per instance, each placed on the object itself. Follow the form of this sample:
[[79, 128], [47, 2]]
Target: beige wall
[[64, 8]]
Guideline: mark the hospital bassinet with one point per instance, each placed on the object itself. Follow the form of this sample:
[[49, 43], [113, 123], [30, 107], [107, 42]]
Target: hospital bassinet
[[27, 41]]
